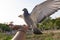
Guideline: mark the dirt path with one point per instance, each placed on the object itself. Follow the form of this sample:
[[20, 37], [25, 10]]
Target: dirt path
[[51, 31]]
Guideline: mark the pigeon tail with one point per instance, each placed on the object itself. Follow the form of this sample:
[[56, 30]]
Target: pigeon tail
[[37, 31]]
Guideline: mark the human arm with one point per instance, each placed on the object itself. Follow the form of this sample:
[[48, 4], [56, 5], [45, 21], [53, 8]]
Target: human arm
[[21, 34]]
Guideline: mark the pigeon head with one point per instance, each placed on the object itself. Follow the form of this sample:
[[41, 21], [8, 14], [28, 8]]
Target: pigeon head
[[25, 12], [24, 9]]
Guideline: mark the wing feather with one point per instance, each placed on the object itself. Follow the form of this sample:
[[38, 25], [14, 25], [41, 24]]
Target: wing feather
[[44, 10]]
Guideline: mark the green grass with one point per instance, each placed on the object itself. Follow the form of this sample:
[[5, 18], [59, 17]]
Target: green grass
[[46, 36], [4, 36]]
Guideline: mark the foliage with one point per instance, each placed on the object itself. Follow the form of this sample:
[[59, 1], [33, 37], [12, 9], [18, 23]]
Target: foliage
[[4, 36], [50, 24], [45, 36], [4, 27]]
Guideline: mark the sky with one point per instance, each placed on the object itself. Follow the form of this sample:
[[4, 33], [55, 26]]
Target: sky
[[11, 9]]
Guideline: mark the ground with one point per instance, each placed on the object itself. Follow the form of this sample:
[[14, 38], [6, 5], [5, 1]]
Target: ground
[[47, 35]]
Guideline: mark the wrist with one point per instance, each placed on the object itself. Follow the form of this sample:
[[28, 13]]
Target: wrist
[[22, 30]]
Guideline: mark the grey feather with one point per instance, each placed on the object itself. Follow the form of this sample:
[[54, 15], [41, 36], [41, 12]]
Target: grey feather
[[40, 12], [44, 10]]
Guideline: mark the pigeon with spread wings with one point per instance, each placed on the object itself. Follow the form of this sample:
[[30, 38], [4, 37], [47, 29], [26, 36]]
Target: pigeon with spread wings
[[39, 13]]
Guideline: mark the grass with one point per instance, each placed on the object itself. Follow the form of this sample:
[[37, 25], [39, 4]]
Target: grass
[[45, 36], [4, 36]]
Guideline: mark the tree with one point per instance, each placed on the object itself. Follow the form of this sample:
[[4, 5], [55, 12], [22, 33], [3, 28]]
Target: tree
[[49, 24], [4, 27]]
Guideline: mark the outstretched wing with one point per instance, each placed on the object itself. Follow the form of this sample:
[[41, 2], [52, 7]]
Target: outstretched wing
[[44, 10]]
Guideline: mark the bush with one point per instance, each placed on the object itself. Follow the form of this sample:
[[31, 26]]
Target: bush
[[4, 27]]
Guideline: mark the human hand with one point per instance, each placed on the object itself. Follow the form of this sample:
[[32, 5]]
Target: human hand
[[24, 28]]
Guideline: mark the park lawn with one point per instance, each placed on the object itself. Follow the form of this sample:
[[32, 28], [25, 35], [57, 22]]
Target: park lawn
[[4, 36], [45, 36]]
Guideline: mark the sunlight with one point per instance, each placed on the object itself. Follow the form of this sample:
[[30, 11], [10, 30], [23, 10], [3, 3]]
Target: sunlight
[[11, 9]]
